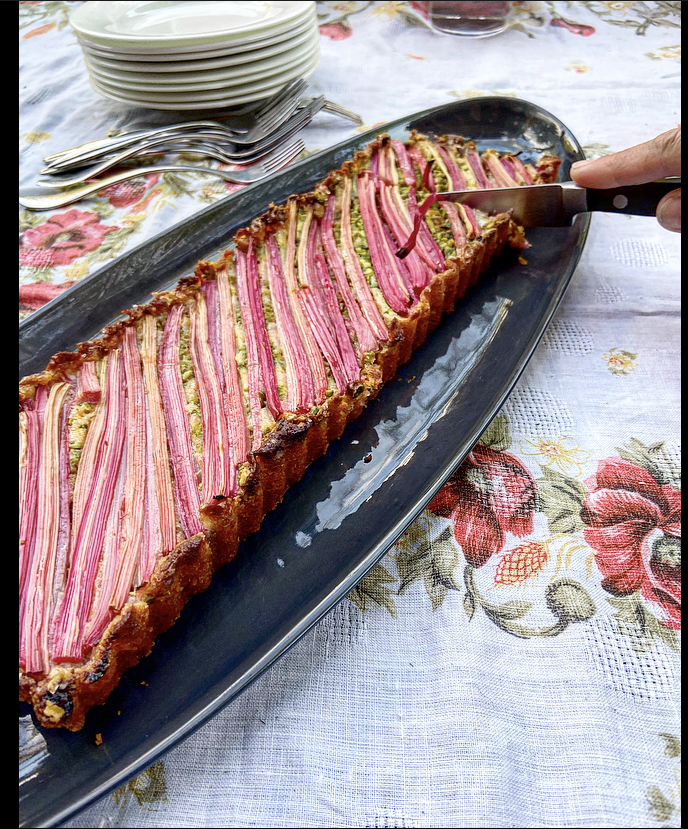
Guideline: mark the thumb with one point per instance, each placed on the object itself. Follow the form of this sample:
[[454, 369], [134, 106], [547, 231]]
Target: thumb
[[669, 211]]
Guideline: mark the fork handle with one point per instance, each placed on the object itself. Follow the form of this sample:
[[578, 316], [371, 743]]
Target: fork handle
[[38, 200]]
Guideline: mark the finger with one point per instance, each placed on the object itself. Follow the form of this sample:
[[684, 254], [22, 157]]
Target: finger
[[669, 211], [645, 162]]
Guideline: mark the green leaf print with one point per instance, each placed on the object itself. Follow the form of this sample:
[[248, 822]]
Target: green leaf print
[[498, 434], [561, 499], [372, 591], [654, 459]]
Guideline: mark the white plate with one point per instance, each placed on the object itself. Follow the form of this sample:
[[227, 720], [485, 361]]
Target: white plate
[[255, 92], [172, 57], [280, 77], [182, 25], [217, 79], [153, 68]]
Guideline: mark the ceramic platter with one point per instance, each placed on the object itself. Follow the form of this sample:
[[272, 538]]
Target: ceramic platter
[[351, 505]]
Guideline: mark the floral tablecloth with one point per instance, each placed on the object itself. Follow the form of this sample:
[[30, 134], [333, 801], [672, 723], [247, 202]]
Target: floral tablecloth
[[514, 660]]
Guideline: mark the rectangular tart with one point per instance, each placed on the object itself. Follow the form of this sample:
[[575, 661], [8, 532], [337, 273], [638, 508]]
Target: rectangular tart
[[148, 455]]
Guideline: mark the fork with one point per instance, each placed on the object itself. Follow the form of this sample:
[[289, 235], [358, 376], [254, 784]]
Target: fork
[[236, 148], [262, 169], [208, 144], [270, 116]]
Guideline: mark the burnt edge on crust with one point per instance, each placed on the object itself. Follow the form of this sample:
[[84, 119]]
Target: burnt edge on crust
[[64, 697]]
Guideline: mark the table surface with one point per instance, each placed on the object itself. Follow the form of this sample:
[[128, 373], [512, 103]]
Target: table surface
[[514, 659]]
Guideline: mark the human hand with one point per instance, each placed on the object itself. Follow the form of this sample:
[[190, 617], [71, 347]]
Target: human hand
[[643, 163]]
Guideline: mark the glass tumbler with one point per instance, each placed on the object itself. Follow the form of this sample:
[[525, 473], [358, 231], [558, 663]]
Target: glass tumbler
[[470, 19]]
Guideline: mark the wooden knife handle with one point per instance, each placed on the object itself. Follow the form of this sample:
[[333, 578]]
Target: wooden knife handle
[[636, 200]]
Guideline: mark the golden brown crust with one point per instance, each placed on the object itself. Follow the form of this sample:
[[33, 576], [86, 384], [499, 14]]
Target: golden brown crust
[[64, 697]]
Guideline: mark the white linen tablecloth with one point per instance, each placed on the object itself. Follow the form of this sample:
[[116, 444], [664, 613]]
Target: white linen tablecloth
[[535, 683]]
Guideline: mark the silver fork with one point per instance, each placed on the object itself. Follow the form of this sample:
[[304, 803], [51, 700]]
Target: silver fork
[[271, 163], [207, 144], [270, 116]]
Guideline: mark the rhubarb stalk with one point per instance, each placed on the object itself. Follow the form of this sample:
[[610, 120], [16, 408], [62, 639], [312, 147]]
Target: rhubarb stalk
[[315, 358], [362, 329], [135, 483], [388, 276], [162, 507], [218, 473], [40, 582], [89, 391], [238, 432], [267, 363], [29, 442], [352, 264], [101, 473], [494, 165], [252, 353], [177, 426], [300, 389]]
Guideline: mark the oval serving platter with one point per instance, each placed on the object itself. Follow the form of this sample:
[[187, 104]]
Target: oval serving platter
[[352, 504]]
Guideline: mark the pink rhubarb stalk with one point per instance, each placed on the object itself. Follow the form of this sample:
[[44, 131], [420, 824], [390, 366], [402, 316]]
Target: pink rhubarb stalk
[[238, 431], [38, 605], [388, 276], [404, 162], [323, 336], [300, 389], [177, 425], [362, 329], [255, 380], [477, 167], [314, 302], [494, 165], [457, 226], [292, 259], [100, 472], [349, 363], [159, 487], [520, 170], [425, 167], [457, 178], [29, 443], [267, 363], [417, 270], [218, 472], [353, 267], [102, 611], [135, 484], [89, 391], [426, 247]]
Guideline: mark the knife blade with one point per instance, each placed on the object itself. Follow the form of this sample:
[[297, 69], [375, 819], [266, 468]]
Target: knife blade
[[556, 205]]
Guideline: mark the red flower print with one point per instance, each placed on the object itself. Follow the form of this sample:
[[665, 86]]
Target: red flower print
[[36, 294], [336, 31], [423, 8], [634, 526], [575, 28], [62, 239], [491, 494], [130, 191]]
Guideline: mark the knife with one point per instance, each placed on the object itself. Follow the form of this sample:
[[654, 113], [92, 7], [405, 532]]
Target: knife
[[556, 205]]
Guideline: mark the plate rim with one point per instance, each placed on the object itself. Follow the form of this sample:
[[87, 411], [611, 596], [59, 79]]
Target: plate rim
[[260, 91], [291, 11], [235, 58], [299, 55]]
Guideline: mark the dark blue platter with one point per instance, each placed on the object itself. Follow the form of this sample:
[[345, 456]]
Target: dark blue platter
[[352, 504]]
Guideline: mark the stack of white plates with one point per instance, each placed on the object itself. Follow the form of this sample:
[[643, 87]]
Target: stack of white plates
[[196, 55]]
